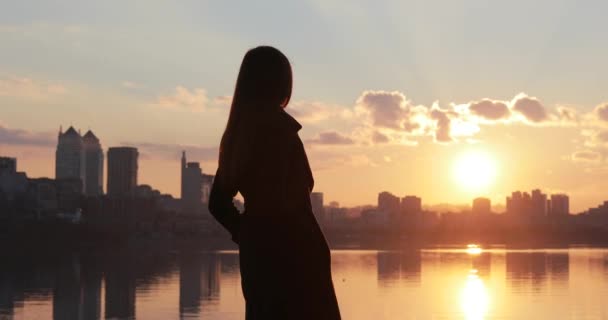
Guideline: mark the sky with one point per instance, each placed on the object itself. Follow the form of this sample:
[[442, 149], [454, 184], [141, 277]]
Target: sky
[[392, 95]]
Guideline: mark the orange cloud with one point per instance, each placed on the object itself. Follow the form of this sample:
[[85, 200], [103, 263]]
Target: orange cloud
[[185, 99]]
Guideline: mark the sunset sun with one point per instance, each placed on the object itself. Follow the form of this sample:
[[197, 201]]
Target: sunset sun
[[474, 170]]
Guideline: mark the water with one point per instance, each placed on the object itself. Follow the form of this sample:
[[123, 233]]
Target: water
[[437, 283]]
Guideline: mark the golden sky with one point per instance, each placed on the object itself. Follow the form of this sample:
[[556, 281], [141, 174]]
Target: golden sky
[[392, 95]]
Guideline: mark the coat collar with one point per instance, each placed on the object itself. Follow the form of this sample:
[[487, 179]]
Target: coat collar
[[289, 121]]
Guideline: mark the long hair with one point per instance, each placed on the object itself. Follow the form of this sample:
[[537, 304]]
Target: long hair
[[263, 85]]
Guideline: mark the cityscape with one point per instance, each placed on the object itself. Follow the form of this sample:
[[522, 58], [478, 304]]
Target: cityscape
[[74, 203]]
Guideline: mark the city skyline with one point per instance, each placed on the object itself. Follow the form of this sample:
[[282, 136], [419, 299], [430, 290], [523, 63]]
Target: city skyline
[[391, 95], [75, 152]]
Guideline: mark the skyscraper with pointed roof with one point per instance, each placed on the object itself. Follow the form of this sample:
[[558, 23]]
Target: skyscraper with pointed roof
[[69, 156], [93, 154]]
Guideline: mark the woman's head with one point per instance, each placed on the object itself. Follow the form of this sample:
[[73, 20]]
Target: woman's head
[[264, 85], [264, 81]]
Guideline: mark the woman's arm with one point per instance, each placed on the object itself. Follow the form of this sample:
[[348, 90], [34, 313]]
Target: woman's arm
[[222, 208]]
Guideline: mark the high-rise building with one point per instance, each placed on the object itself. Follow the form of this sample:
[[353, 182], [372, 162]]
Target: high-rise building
[[69, 156], [122, 171], [526, 204], [195, 185], [316, 201], [12, 183], [8, 165], [411, 205], [481, 206], [389, 204], [539, 203], [93, 155], [560, 205]]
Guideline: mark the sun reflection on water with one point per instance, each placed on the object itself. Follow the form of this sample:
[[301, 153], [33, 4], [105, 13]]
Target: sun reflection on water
[[474, 298], [473, 249]]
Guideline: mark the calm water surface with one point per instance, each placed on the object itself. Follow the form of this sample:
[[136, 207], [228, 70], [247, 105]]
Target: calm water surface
[[438, 283]]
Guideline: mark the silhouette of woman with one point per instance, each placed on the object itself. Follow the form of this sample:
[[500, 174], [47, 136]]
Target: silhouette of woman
[[284, 258]]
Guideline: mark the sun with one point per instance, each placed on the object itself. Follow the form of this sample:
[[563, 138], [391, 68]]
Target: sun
[[474, 170]]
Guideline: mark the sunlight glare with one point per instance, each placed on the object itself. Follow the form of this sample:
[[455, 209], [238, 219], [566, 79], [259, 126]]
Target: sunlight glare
[[474, 170], [473, 249], [474, 299]]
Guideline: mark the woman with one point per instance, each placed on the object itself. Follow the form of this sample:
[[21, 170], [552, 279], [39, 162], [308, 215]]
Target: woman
[[284, 258]]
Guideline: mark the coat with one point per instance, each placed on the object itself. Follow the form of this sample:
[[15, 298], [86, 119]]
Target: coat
[[284, 258]]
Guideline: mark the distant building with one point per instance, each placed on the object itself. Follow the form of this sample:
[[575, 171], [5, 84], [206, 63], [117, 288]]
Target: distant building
[[560, 205], [69, 193], [389, 204], [481, 206], [316, 201], [12, 183], [526, 204], [539, 203], [8, 165], [411, 205], [195, 185], [93, 155], [122, 171], [69, 156], [334, 215], [49, 197]]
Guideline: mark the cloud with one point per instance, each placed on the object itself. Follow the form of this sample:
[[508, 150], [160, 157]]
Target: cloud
[[529, 107], [601, 112], [21, 137], [331, 138], [131, 85], [185, 99], [386, 109], [379, 138], [567, 115], [27, 88], [586, 156], [309, 112], [490, 110], [443, 131], [602, 136]]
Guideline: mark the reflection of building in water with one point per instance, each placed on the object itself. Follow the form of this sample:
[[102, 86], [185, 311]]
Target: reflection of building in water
[[66, 293], [120, 292], [559, 266], [411, 265], [229, 263], [210, 277], [388, 266], [526, 266], [6, 294], [90, 288], [482, 263], [394, 265], [190, 269], [199, 279]]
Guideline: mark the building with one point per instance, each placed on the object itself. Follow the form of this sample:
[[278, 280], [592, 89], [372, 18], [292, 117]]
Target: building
[[195, 185], [559, 205], [538, 203], [12, 184], [526, 204], [411, 205], [389, 204], [481, 206], [8, 165], [122, 171], [69, 156], [316, 201], [93, 155], [11, 181]]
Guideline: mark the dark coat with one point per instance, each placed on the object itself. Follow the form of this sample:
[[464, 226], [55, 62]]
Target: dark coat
[[284, 258]]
